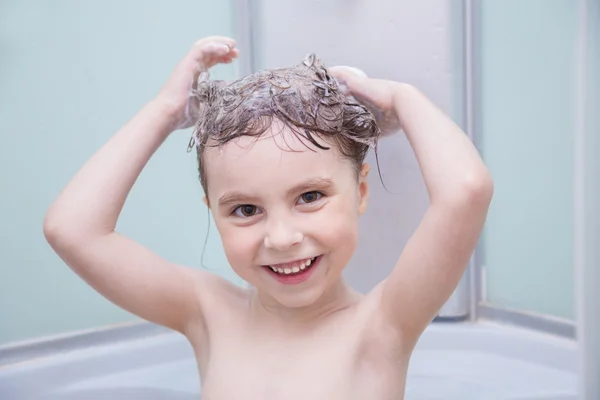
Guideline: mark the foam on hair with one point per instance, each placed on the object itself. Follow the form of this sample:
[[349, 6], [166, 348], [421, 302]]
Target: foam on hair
[[304, 98]]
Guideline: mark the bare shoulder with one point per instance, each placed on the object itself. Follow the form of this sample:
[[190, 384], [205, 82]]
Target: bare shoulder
[[217, 298], [216, 294]]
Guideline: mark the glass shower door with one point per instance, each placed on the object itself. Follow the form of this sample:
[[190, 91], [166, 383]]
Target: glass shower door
[[527, 91]]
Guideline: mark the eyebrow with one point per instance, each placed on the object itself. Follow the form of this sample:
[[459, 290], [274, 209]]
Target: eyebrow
[[311, 184]]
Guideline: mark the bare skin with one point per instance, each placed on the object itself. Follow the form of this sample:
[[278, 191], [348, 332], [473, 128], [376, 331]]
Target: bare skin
[[317, 339]]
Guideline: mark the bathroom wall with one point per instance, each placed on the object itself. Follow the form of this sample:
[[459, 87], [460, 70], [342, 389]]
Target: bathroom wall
[[527, 97], [71, 74]]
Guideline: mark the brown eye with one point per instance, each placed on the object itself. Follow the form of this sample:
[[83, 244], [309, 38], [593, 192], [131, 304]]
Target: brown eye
[[246, 210], [311, 197]]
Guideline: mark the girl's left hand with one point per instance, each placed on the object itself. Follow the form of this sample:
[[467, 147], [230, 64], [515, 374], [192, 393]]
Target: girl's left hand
[[377, 95]]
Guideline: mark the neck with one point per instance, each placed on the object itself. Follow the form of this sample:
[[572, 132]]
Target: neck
[[337, 297]]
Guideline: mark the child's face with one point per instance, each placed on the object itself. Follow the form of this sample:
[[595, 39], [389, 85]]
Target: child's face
[[275, 206]]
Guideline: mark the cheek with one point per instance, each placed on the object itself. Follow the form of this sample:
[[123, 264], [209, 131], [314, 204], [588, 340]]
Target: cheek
[[338, 224], [239, 243]]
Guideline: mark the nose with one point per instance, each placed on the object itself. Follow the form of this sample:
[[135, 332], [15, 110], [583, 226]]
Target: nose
[[282, 235]]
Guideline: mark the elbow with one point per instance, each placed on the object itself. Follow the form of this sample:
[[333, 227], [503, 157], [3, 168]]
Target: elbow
[[52, 229], [60, 231], [478, 189], [474, 192], [67, 229]]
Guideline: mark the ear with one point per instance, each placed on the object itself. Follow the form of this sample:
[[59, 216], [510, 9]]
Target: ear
[[205, 201], [363, 188]]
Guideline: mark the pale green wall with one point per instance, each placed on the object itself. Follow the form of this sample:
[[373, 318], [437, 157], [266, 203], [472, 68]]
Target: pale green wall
[[71, 74], [528, 82]]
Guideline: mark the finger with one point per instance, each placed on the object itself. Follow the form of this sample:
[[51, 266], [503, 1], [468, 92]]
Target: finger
[[350, 79], [346, 73], [224, 59], [212, 53], [234, 53], [209, 51], [350, 70], [229, 57], [216, 49], [208, 55], [218, 39], [212, 45]]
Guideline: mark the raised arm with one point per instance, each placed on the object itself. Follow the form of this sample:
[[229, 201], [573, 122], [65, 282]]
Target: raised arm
[[460, 190], [80, 224]]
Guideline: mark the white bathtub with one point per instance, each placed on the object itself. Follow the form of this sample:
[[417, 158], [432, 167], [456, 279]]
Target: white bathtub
[[452, 361]]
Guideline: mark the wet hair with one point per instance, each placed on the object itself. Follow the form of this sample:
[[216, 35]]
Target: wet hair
[[305, 98]]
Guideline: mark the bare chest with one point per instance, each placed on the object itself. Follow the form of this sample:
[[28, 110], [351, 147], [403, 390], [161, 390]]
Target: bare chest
[[329, 365]]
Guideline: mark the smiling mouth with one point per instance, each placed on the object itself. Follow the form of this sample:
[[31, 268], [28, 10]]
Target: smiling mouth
[[293, 268]]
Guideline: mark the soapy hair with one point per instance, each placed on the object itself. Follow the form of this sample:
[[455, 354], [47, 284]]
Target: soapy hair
[[306, 99]]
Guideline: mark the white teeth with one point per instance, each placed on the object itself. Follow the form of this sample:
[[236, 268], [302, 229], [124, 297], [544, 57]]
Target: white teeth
[[301, 266]]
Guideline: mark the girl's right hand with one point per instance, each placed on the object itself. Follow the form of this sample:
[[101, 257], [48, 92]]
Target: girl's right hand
[[377, 95], [176, 94]]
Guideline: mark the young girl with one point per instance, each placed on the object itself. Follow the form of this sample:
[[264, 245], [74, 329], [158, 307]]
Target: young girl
[[281, 160]]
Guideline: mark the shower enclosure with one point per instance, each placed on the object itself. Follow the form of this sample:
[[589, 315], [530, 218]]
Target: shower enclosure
[[521, 79]]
